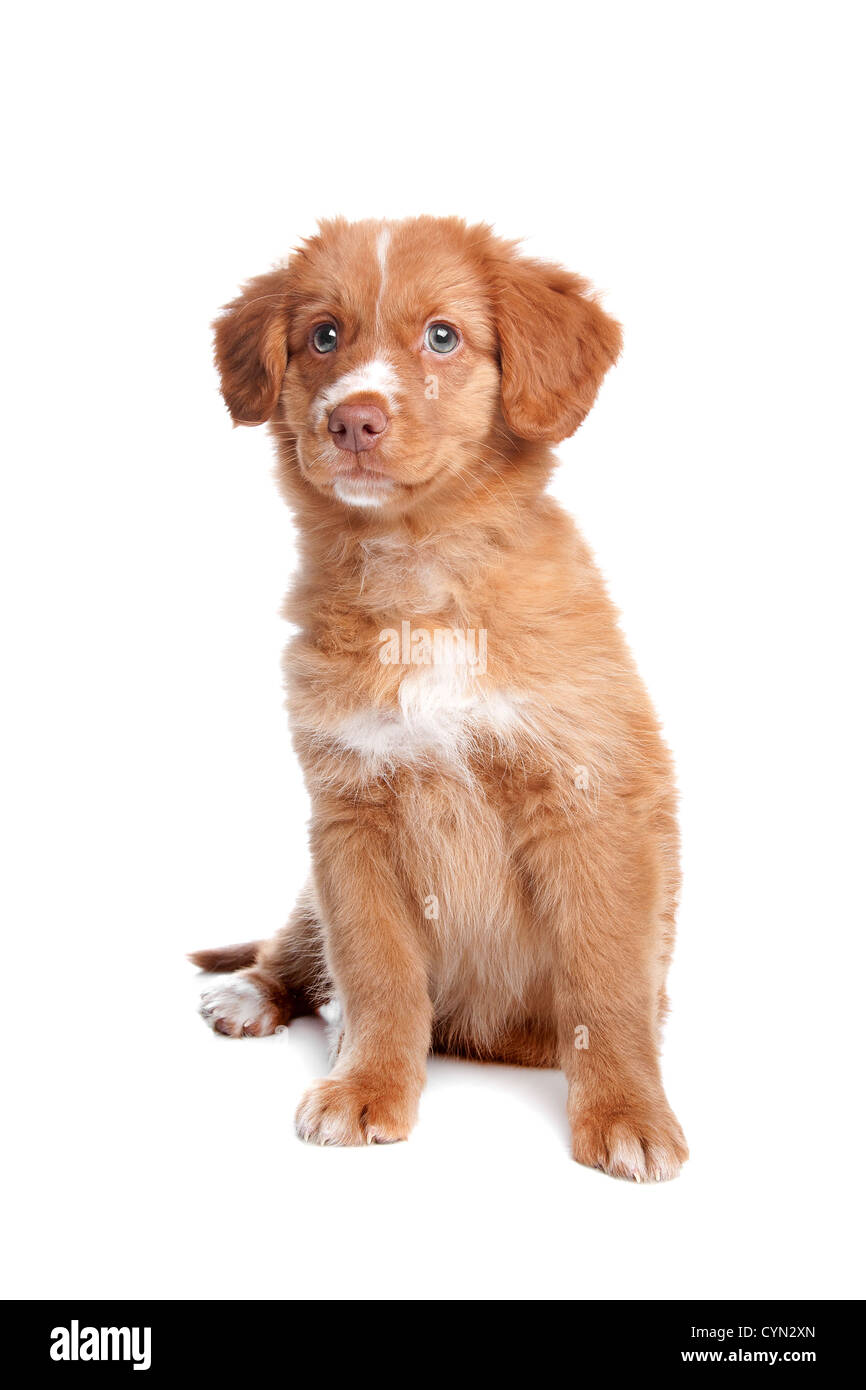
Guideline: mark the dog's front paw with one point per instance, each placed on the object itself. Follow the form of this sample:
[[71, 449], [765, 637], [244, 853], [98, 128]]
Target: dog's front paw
[[241, 1006], [347, 1110], [642, 1143]]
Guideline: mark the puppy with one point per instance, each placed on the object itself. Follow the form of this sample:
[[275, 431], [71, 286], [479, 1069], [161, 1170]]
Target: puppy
[[494, 842]]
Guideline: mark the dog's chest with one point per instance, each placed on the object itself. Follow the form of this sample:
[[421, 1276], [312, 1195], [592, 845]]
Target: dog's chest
[[430, 696], [441, 712]]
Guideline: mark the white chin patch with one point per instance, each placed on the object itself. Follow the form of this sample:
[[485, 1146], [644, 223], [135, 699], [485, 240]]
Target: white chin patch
[[358, 492]]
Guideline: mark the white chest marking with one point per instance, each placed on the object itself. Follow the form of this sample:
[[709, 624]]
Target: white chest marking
[[441, 712]]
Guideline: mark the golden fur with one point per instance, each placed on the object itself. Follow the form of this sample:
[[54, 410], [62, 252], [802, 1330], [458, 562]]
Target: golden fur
[[494, 848]]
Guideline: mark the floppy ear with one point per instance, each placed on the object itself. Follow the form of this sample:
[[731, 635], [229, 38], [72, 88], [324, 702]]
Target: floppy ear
[[555, 345], [251, 347]]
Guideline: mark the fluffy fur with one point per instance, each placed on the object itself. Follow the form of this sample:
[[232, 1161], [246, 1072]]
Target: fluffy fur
[[494, 848]]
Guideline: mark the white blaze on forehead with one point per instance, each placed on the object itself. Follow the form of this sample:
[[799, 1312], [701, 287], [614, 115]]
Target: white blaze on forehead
[[378, 376], [383, 241]]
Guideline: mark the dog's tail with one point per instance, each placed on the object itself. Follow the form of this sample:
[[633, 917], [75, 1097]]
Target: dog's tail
[[226, 958]]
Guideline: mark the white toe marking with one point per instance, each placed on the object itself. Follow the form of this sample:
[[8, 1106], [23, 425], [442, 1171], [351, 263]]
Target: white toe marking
[[236, 1002], [627, 1156]]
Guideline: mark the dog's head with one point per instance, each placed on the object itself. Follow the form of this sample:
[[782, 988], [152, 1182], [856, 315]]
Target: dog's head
[[394, 355]]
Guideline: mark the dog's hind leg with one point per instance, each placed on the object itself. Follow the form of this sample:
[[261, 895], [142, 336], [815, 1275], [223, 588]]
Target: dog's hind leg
[[603, 891], [275, 980]]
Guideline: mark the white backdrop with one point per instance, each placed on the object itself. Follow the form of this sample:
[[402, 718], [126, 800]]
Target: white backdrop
[[698, 163]]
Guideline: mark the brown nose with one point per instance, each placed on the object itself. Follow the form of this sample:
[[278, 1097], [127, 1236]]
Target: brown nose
[[357, 427]]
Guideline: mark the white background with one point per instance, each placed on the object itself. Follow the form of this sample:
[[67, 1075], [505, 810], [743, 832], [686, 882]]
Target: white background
[[700, 164]]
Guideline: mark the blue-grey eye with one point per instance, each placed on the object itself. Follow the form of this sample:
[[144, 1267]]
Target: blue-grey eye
[[325, 337], [441, 337]]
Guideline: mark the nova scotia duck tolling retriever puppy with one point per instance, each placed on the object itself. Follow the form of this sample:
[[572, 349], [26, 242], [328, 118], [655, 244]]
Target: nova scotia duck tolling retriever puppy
[[493, 838]]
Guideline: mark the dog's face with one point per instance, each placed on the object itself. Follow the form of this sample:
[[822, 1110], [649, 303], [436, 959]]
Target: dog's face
[[396, 355]]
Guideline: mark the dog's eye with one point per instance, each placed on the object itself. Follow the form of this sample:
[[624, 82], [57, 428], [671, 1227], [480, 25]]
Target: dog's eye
[[441, 337], [325, 337]]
